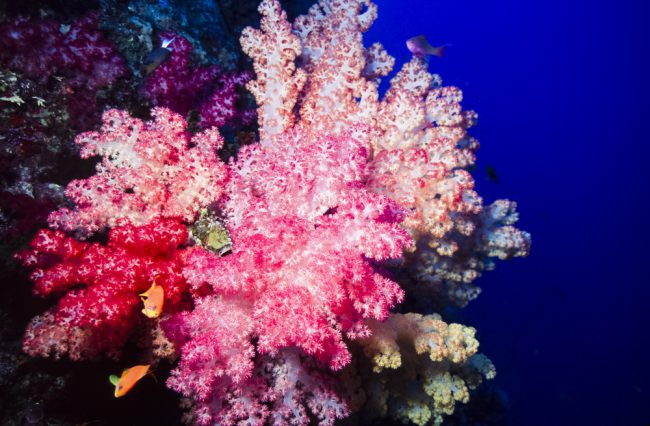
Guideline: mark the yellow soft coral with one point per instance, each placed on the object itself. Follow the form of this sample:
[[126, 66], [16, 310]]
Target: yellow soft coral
[[421, 367], [446, 389]]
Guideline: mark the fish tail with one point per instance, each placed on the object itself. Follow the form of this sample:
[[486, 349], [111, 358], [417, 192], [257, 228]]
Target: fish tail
[[437, 51]]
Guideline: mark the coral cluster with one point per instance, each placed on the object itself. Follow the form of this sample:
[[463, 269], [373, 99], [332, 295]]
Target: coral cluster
[[53, 77], [149, 181], [289, 316], [209, 89], [305, 233], [76, 53], [97, 318], [149, 170], [421, 367]]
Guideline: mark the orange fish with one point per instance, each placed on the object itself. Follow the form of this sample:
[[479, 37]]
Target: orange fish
[[153, 300], [129, 378]]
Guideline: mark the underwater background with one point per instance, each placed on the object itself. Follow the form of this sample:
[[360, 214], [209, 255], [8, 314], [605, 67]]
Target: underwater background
[[561, 89]]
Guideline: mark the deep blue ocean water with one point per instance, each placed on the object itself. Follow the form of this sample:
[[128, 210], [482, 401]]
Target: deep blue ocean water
[[562, 91]]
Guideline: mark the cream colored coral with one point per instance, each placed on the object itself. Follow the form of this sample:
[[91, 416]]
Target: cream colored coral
[[446, 389], [422, 366]]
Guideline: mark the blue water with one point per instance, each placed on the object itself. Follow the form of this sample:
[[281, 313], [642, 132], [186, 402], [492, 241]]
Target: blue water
[[562, 93]]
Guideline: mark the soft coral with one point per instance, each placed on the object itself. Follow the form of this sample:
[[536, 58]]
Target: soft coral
[[99, 285]]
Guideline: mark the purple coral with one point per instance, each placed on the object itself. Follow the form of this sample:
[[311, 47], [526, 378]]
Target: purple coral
[[211, 90], [78, 53]]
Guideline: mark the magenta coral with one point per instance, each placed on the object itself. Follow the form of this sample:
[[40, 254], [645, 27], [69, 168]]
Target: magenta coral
[[149, 170], [78, 52], [300, 275], [211, 90], [99, 286], [303, 229]]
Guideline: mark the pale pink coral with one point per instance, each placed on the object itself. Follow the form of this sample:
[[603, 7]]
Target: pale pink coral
[[418, 145], [149, 170], [274, 49], [301, 274]]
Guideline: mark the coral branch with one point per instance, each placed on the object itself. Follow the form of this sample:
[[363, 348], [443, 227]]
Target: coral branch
[[149, 170], [421, 367], [99, 286], [273, 49]]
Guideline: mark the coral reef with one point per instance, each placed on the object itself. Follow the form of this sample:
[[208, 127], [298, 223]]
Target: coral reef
[[53, 78], [47, 50], [282, 271]]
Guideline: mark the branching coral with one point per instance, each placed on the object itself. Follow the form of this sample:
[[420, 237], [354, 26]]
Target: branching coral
[[449, 275], [421, 367], [99, 286], [211, 90], [149, 170], [299, 275], [288, 388], [274, 49], [419, 146], [416, 138]]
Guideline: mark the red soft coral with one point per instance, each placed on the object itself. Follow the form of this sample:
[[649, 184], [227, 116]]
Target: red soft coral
[[99, 285], [149, 170]]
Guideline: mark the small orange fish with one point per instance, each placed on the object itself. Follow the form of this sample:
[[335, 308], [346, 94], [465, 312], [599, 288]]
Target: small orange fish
[[420, 47], [153, 300], [129, 378]]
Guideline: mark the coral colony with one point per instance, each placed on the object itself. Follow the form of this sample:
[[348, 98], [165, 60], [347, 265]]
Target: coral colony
[[350, 211], [173, 84]]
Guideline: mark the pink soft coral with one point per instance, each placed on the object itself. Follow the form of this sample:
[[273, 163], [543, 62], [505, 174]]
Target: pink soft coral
[[100, 286], [149, 170], [305, 234], [304, 229]]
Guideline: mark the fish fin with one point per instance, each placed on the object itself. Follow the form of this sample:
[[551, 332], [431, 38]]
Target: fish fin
[[150, 313], [146, 293], [113, 379]]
